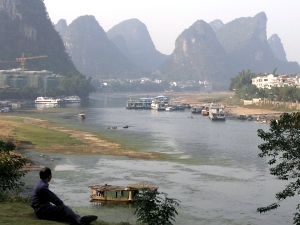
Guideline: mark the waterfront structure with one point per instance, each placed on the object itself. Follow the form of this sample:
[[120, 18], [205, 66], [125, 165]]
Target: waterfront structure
[[18, 78]]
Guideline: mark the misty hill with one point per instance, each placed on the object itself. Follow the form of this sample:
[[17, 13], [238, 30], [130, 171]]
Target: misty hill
[[198, 55], [277, 47], [245, 42], [61, 27], [216, 24], [93, 53], [213, 52], [26, 28], [134, 41]]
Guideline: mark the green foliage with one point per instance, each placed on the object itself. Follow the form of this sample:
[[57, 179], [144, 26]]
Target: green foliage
[[154, 209], [76, 84], [11, 164], [282, 148], [241, 80], [242, 85]]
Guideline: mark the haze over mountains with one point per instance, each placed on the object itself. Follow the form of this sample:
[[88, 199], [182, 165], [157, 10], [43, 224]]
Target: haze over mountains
[[213, 51]]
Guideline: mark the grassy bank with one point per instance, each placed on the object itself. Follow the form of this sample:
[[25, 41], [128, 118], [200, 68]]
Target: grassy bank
[[45, 136], [20, 213]]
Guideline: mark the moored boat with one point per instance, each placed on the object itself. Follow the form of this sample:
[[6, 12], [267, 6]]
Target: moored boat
[[217, 112], [157, 105], [117, 193], [146, 103], [245, 117], [204, 112], [47, 100], [72, 99], [170, 108], [142, 103], [196, 109]]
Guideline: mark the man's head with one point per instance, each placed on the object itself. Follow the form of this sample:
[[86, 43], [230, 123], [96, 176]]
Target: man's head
[[45, 174]]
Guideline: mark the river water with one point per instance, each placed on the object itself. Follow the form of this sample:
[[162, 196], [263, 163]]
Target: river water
[[213, 168]]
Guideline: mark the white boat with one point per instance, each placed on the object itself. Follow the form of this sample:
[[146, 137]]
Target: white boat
[[158, 105], [170, 108], [72, 99], [216, 112], [47, 100]]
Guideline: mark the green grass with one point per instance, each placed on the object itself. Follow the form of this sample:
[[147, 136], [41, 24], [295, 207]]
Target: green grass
[[20, 213], [44, 137]]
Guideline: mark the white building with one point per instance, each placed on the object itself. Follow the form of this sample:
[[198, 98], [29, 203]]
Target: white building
[[269, 81]]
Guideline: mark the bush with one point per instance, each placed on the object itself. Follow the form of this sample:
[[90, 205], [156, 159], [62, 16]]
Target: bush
[[153, 209], [11, 164]]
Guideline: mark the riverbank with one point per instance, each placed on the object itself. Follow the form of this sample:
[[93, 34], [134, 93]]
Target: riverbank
[[233, 110], [45, 137]]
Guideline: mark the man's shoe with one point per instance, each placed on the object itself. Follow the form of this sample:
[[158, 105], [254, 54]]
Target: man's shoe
[[88, 219]]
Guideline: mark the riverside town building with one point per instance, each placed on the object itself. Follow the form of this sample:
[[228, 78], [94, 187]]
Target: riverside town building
[[18, 78]]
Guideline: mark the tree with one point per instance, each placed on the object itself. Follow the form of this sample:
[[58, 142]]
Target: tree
[[282, 148], [153, 209], [244, 78], [11, 164]]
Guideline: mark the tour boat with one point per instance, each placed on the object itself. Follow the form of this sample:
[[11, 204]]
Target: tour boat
[[72, 99], [217, 112], [47, 100], [117, 193]]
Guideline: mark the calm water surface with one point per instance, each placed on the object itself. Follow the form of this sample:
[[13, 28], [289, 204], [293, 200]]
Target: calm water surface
[[212, 167]]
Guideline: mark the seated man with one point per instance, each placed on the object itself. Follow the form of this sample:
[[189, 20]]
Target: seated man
[[42, 198]]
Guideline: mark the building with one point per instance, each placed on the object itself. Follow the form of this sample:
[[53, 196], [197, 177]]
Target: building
[[18, 78], [269, 81]]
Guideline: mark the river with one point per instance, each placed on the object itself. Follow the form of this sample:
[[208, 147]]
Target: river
[[213, 168]]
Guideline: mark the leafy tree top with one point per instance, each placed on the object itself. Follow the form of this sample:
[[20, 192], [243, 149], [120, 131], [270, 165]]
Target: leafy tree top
[[282, 149]]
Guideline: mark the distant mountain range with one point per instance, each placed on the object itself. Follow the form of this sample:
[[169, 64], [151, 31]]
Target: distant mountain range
[[92, 52], [213, 51]]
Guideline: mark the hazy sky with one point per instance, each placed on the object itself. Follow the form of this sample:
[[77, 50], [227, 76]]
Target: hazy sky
[[166, 19]]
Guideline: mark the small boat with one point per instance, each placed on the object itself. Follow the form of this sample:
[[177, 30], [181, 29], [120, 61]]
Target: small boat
[[170, 108], [204, 112], [126, 126], [47, 100], [72, 99], [242, 117], [196, 109], [117, 193], [81, 116]]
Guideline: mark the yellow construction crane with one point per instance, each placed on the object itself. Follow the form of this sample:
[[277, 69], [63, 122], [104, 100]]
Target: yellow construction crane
[[23, 59]]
